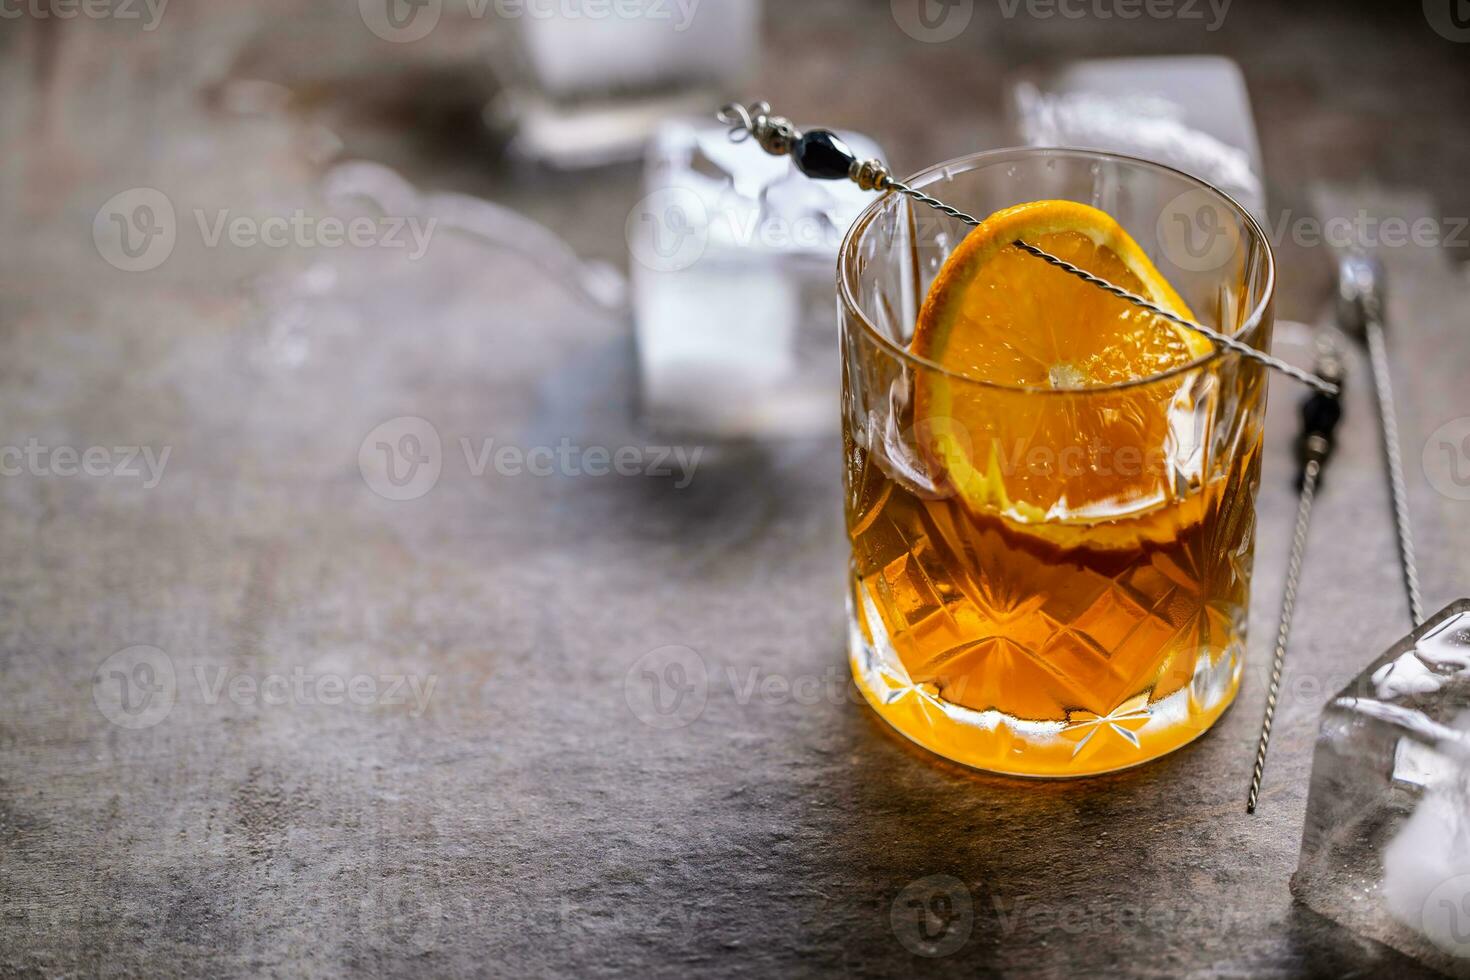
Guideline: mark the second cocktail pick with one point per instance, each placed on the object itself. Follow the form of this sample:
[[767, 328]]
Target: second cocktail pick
[[1320, 414], [1360, 312], [821, 155]]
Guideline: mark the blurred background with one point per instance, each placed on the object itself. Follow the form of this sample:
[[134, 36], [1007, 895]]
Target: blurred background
[[1341, 92], [563, 117], [384, 322]]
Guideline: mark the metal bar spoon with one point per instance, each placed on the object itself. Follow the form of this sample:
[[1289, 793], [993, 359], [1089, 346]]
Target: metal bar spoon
[[1360, 312]]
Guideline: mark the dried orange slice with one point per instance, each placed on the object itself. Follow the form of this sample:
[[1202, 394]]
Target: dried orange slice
[[1062, 438]]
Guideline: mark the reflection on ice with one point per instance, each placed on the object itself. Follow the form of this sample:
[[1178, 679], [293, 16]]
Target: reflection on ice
[[1386, 847]]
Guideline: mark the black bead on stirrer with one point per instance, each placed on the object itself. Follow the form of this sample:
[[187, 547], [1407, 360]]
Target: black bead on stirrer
[[822, 155]]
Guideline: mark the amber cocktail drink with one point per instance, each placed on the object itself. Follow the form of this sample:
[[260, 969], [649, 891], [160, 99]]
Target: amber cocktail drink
[[1050, 492]]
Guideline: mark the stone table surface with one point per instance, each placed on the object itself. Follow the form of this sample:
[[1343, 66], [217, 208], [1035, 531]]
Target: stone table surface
[[257, 718]]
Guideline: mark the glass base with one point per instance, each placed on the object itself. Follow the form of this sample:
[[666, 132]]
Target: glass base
[[1135, 732]]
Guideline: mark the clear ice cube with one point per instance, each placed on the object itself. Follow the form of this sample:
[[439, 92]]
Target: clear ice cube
[[733, 259], [1386, 847], [1191, 112]]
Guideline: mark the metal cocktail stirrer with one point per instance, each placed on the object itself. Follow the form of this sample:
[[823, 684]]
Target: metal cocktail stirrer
[[1320, 415], [1360, 313], [821, 155]]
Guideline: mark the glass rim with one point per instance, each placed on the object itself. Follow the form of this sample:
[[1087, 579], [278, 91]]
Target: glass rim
[[971, 161]]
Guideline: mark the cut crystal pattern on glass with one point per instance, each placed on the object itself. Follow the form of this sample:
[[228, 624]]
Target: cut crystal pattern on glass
[[1386, 846], [947, 632]]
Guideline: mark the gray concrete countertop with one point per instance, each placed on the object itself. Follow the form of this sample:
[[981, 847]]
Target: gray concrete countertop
[[483, 794]]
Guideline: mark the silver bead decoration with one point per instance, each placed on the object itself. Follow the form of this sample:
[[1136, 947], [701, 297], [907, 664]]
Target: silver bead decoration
[[775, 134], [870, 175]]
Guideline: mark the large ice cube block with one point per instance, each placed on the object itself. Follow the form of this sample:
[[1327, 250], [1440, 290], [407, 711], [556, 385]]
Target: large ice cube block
[[594, 79], [1386, 847], [734, 259], [1191, 112]]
